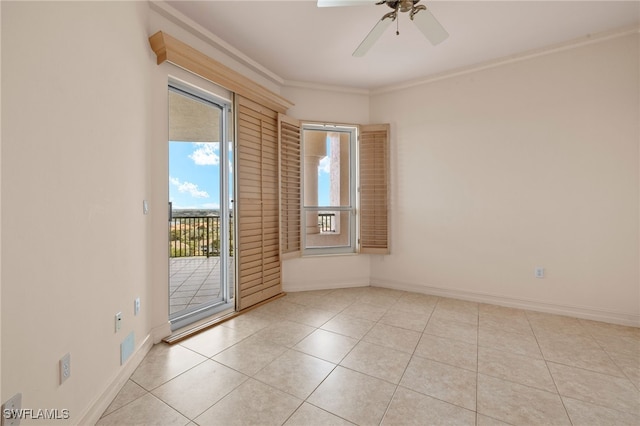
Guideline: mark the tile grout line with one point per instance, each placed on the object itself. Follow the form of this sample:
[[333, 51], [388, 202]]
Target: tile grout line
[[408, 363], [535, 336], [335, 366]]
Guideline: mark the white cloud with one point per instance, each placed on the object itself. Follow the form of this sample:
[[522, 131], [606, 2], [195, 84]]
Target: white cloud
[[204, 154], [188, 187], [325, 165]]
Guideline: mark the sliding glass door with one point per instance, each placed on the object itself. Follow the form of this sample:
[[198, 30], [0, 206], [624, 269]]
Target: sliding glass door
[[201, 267]]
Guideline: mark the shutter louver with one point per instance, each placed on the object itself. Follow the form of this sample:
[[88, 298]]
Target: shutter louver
[[374, 189], [258, 199], [290, 186]]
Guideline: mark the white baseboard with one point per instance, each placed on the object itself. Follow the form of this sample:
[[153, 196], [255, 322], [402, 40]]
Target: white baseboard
[[161, 332], [532, 305], [309, 285], [95, 410]]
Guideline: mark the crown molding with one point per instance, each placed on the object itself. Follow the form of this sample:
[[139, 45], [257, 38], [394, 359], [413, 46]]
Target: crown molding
[[519, 57], [326, 87], [201, 32]]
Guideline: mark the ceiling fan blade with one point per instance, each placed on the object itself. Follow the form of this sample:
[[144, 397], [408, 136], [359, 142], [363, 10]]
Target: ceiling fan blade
[[372, 37], [337, 3], [430, 27]]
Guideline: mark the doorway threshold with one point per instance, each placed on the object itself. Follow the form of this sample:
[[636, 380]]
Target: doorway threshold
[[207, 323], [195, 328]]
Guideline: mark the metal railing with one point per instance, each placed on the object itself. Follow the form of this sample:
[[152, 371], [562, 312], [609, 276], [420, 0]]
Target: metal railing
[[326, 222], [194, 236]]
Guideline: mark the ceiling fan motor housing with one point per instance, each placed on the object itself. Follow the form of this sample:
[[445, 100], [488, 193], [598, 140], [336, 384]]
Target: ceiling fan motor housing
[[401, 5]]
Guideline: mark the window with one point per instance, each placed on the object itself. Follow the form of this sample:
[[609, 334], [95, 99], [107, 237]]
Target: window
[[334, 188], [329, 188]]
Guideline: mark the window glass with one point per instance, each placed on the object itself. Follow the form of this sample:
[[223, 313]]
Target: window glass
[[329, 188]]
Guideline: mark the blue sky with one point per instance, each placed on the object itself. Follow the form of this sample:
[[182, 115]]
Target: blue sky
[[323, 180], [194, 176]]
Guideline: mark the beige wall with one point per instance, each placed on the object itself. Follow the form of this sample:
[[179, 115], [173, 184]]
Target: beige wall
[[328, 105], [75, 243], [532, 163]]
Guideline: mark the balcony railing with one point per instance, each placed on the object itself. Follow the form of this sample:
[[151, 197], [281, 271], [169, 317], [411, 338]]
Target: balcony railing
[[195, 236], [326, 222]]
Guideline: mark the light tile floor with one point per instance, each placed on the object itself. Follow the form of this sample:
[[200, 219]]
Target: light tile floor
[[371, 356]]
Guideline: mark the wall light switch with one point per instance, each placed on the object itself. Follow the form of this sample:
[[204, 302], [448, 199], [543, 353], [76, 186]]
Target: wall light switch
[[539, 272], [118, 321], [65, 368], [136, 306]]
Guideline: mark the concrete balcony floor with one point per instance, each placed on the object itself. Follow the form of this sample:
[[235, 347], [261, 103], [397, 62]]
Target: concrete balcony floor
[[195, 280]]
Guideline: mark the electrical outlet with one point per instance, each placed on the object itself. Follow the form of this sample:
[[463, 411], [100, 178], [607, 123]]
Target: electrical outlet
[[10, 411], [65, 368], [539, 272], [118, 321], [136, 306]]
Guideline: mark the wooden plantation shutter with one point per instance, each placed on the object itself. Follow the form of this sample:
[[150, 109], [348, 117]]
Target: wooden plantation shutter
[[374, 189], [290, 185], [258, 199]]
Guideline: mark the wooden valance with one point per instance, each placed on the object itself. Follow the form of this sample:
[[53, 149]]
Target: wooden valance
[[178, 53]]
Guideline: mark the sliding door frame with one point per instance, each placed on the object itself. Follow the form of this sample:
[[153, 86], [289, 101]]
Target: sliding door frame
[[226, 114]]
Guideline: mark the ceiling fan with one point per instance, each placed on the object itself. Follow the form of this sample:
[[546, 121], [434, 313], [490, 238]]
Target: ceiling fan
[[419, 14]]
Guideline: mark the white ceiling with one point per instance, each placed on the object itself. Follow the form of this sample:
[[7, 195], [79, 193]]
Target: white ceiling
[[299, 42]]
